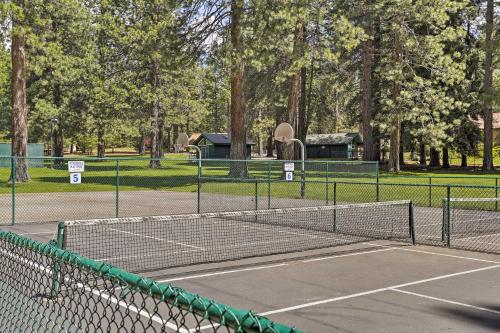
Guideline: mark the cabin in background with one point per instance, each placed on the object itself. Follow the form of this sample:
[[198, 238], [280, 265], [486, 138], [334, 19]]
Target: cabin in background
[[337, 145]]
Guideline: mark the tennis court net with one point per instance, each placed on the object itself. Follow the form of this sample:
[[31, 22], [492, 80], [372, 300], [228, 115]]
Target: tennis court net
[[153, 243], [469, 217]]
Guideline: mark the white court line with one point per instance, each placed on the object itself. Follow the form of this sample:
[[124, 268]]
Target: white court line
[[455, 241], [436, 237], [158, 239], [37, 233], [365, 293], [375, 291], [427, 225], [269, 266], [222, 273], [270, 228], [470, 237], [348, 255], [104, 295], [197, 250], [132, 308], [142, 256], [443, 300], [437, 254]]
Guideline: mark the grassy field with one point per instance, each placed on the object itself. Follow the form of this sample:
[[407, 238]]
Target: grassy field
[[181, 175]]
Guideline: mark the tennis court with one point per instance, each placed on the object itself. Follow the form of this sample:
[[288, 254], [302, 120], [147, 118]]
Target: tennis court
[[353, 280]]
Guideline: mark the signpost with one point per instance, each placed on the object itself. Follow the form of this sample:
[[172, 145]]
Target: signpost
[[76, 166], [289, 168]]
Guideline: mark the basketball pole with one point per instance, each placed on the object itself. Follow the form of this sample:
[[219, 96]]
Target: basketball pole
[[302, 168], [199, 175]]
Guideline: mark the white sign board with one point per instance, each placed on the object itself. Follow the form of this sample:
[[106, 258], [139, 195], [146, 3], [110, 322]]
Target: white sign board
[[75, 178], [289, 175], [76, 166], [289, 166]]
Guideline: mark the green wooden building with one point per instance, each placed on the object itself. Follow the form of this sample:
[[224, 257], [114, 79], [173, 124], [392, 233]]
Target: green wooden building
[[218, 145], [336, 145]]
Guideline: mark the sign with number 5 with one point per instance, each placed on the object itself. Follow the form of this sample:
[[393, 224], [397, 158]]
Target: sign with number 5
[[75, 178]]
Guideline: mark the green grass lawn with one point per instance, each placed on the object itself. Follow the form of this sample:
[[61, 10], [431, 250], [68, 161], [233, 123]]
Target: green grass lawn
[[180, 174]]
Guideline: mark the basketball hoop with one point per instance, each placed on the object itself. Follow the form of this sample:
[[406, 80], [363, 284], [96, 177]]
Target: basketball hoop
[[284, 133], [182, 140]]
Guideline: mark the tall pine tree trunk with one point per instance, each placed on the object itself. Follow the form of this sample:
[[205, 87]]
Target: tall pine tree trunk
[[18, 86], [269, 146], [279, 146], [142, 142], [168, 139], [294, 93], [401, 155], [435, 160], [487, 93], [302, 119], [423, 155], [101, 144], [376, 85], [161, 137], [155, 119], [395, 136], [175, 132], [59, 142], [395, 142], [238, 149], [446, 158], [401, 148], [58, 134], [366, 87], [463, 163]]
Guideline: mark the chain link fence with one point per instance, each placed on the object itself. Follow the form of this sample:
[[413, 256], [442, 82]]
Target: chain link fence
[[46, 289], [127, 187]]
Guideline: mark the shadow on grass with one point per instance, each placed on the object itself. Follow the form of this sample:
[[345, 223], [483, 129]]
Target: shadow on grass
[[148, 182], [125, 166]]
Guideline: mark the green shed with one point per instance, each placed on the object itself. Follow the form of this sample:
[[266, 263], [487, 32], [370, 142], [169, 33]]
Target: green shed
[[336, 145], [218, 145]]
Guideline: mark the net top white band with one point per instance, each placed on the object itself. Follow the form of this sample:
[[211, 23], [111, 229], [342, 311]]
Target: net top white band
[[474, 199], [167, 218]]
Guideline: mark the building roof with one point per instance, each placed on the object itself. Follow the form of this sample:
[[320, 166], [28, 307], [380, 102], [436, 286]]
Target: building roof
[[496, 121], [222, 139], [333, 139]]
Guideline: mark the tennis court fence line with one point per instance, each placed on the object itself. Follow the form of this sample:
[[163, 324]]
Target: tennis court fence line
[[44, 288]]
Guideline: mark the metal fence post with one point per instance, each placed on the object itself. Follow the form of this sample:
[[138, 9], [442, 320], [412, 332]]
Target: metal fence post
[[430, 191], [327, 185], [117, 182], [198, 207], [269, 185], [377, 195], [334, 203], [54, 290], [13, 175], [496, 194], [412, 224], [448, 217], [443, 222], [256, 194]]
